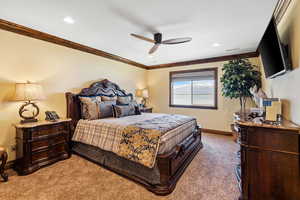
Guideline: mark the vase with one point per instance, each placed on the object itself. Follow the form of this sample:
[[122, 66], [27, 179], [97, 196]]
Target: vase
[[243, 112]]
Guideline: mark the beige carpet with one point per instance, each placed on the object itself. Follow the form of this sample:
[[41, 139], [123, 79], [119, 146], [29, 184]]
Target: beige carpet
[[209, 177]]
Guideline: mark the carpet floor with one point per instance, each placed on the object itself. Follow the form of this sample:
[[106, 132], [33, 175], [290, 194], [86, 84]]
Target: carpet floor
[[210, 176]]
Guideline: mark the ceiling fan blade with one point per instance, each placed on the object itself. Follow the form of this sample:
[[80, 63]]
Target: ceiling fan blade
[[154, 48], [142, 38], [177, 40]]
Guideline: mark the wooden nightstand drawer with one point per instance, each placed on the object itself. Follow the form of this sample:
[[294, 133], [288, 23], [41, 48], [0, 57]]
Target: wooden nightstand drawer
[[48, 130], [48, 154], [42, 144], [146, 110]]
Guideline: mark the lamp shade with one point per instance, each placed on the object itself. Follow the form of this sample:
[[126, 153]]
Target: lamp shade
[[138, 93], [145, 93], [29, 92]]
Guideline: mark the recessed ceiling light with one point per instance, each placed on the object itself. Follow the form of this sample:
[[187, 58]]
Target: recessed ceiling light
[[216, 44], [69, 20]]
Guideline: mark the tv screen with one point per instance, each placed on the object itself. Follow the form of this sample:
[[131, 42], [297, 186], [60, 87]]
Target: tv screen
[[272, 52]]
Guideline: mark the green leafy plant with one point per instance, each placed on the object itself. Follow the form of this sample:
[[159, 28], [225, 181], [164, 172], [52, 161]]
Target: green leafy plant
[[239, 76]]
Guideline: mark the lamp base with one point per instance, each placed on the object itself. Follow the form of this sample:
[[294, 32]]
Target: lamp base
[[144, 101], [28, 121]]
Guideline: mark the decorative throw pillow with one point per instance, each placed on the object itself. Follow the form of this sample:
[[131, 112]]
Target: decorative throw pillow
[[133, 102], [109, 98], [106, 109], [123, 110], [124, 100], [137, 110], [90, 107]]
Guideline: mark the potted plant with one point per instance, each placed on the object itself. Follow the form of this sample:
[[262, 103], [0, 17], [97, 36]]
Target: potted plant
[[239, 76]]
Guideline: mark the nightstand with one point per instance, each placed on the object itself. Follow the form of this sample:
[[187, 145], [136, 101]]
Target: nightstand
[[146, 110], [40, 144]]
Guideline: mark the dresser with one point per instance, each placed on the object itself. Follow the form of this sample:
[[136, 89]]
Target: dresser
[[268, 161], [41, 143]]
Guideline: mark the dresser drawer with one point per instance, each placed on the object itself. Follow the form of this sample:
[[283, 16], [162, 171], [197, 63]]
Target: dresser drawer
[[48, 154], [42, 144], [48, 130], [275, 140]]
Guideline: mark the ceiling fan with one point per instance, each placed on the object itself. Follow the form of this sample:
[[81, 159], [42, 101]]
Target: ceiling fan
[[158, 40]]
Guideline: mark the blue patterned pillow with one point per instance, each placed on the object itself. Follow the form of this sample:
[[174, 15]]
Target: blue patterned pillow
[[124, 100], [109, 98], [137, 110], [123, 110], [106, 109]]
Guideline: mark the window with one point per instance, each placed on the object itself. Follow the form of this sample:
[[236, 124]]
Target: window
[[194, 88]]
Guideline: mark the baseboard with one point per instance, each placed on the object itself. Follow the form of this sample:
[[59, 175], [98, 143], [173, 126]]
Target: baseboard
[[206, 130]]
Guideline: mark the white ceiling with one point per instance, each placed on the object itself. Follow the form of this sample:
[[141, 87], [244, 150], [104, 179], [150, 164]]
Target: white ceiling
[[107, 24]]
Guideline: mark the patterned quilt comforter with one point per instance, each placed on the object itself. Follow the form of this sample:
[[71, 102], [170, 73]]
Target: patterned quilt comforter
[[138, 138]]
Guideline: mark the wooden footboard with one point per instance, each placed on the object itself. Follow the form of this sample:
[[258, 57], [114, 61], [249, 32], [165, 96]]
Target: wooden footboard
[[172, 165]]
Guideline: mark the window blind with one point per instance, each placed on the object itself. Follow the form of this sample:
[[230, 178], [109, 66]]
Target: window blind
[[196, 88]]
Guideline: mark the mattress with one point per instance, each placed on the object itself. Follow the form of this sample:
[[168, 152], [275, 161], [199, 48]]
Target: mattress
[[111, 130]]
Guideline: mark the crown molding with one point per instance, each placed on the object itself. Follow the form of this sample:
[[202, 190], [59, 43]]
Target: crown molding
[[22, 30], [16, 28], [204, 60]]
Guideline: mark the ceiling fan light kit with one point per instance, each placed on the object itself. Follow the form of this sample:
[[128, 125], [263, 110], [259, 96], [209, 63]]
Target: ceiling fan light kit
[[158, 40]]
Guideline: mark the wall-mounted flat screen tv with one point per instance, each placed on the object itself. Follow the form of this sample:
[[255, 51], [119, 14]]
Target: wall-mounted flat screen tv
[[273, 54]]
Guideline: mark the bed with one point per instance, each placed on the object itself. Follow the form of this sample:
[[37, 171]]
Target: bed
[[173, 155]]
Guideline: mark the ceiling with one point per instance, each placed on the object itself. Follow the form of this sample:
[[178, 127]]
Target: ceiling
[[236, 25]]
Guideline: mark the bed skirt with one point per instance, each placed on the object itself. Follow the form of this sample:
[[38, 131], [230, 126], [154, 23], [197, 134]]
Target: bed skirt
[[116, 163]]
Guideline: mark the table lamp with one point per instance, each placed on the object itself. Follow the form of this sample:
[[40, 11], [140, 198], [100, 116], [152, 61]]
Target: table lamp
[[29, 92], [144, 93]]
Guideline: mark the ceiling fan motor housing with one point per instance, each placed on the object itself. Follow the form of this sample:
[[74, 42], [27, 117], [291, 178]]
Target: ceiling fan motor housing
[[157, 38]]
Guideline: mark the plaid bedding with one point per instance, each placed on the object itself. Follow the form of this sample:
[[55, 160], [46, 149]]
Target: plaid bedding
[[107, 134], [100, 134]]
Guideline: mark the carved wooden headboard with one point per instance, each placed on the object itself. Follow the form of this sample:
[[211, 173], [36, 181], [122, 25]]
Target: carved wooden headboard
[[104, 87]]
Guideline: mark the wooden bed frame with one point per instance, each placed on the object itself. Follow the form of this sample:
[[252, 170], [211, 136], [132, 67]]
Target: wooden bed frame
[[171, 165]]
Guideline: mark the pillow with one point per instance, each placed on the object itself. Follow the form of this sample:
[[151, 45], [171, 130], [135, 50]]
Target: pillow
[[109, 98], [124, 100], [106, 109], [133, 102], [123, 110], [137, 110], [89, 107], [128, 100]]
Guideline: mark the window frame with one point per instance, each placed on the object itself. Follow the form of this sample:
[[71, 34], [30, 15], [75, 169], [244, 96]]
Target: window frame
[[214, 107]]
